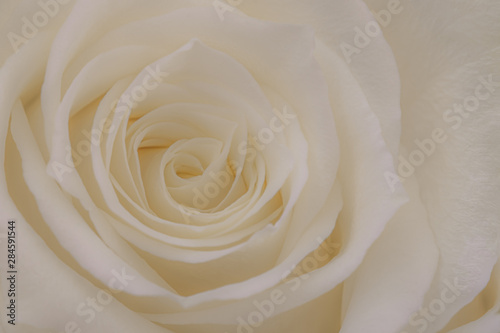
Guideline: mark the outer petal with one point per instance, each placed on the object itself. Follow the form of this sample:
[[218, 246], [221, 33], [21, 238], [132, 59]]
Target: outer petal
[[395, 274], [44, 279], [335, 24], [447, 51], [490, 321]]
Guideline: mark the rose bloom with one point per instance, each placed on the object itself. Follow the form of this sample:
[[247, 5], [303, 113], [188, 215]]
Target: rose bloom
[[250, 166]]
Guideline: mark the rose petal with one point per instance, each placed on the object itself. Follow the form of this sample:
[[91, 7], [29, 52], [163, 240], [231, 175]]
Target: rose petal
[[396, 273]]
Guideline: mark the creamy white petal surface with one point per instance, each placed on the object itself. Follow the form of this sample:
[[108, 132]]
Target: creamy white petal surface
[[250, 165]]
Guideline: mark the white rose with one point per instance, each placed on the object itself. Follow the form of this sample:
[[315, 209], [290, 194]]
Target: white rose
[[250, 166]]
